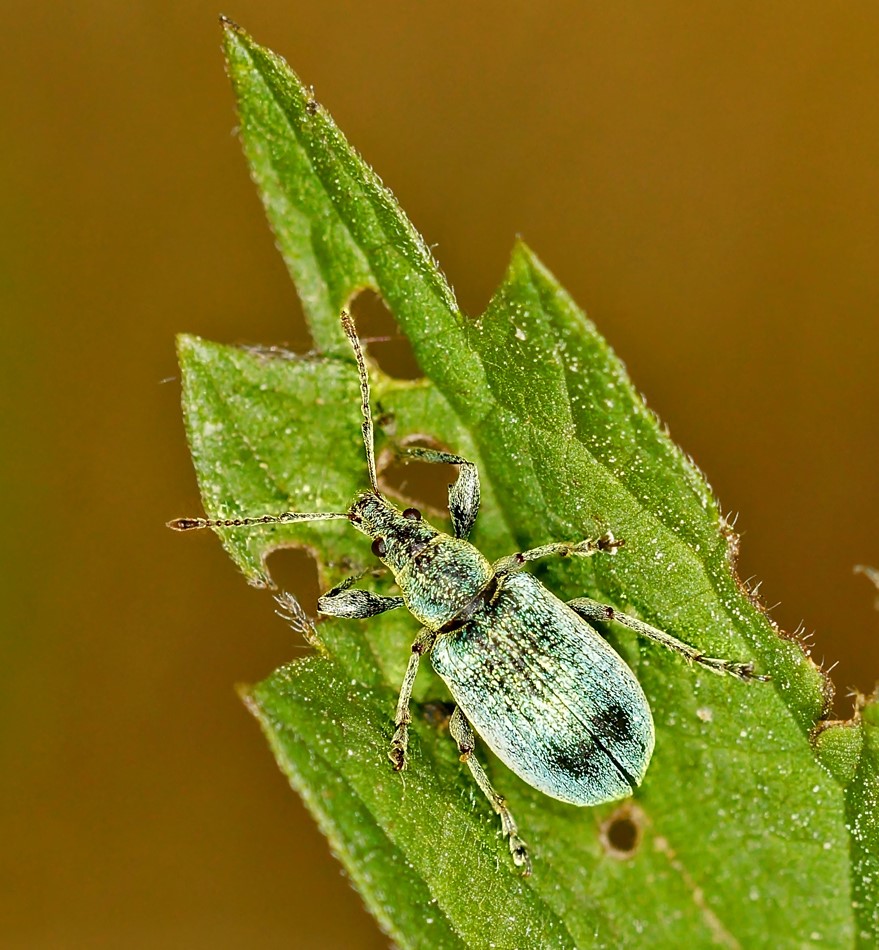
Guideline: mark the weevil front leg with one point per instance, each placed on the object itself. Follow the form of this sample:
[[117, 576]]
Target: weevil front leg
[[347, 601], [586, 548], [463, 494], [462, 733], [592, 610], [397, 753]]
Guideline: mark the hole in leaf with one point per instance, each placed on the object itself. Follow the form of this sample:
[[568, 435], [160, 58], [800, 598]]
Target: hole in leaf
[[379, 331], [622, 835], [425, 486], [621, 832]]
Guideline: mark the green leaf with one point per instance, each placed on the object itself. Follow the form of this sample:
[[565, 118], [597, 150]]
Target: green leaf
[[850, 751], [754, 827]]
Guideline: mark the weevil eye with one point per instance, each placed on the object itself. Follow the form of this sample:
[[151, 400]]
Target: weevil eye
[[379, 548], [413, 514]]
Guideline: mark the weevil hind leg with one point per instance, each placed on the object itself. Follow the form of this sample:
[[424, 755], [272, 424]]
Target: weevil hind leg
[[400, 743], [463, 494], [590, 609], [463, 735]]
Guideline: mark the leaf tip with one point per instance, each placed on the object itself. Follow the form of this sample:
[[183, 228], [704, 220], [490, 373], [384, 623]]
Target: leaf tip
[[185, 340], [237, 42], [524, 261], [188, 345], [245, 693], [229, 25], [523, 253]]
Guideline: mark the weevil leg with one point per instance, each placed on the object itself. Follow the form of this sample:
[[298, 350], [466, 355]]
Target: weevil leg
[[462, 733], [397, 753], [463, 494], [590, 609], [586, 548], [345, 601]]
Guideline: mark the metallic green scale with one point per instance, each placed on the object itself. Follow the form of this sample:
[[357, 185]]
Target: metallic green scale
[[550, 698], [546, 693]]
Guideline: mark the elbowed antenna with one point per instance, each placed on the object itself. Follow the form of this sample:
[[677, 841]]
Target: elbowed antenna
[[288, 517], [189, 524], [366, 427]]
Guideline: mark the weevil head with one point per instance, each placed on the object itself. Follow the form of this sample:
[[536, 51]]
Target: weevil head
[[397, 536], [438, 575]]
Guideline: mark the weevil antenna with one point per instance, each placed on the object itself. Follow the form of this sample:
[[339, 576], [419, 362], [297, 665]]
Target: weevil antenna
[[288, 517], [366, 427]]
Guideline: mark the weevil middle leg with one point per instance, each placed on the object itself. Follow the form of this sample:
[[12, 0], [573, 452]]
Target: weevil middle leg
[[397, 753], [590, 609], [462, 733]]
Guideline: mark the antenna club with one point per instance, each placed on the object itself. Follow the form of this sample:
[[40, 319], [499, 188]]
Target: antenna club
[[184, 524]]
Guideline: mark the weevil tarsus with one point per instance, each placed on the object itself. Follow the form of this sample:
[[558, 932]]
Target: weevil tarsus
[[462, 732], [592, 610]]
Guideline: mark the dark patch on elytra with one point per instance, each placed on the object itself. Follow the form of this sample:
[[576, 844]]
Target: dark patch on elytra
[[587, 759], [612, 720], [614, 732], [626, 774], [584, 759]]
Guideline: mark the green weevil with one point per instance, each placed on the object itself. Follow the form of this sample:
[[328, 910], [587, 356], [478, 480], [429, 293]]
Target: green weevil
[[528, 672]]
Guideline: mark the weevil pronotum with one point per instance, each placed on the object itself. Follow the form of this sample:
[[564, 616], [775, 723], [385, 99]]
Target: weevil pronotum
[[528, 672]]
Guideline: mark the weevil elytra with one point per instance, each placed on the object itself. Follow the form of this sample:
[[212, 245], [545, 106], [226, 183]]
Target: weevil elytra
[[528, 673]]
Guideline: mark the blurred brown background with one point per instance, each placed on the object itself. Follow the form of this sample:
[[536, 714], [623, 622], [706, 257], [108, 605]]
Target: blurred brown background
[[702, 178]]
